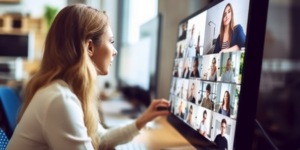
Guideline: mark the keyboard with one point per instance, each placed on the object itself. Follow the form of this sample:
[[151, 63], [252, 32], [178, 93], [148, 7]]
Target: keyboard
[[131, 146]]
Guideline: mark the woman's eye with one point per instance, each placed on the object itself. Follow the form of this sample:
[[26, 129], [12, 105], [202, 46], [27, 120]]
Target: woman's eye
[[112, 42]]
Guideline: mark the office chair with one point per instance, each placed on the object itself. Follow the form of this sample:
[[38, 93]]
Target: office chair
[[9, 105], [3, 140]]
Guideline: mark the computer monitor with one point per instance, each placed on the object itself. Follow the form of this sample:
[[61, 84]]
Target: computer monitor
[[216, 74], [17, 45]]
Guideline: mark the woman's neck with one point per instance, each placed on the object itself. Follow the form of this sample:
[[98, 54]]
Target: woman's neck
[[226, 29], [224, 106]]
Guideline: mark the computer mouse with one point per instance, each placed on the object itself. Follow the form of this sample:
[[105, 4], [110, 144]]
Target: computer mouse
[[161, 108]]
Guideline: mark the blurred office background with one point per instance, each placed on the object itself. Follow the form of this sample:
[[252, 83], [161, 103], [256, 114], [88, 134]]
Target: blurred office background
[[146, 32]]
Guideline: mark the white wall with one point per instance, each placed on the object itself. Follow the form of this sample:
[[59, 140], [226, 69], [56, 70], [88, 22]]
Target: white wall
[[33, 7]]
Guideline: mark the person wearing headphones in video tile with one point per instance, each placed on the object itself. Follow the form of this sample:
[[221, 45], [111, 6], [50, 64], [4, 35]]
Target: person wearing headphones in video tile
[[232, 37]]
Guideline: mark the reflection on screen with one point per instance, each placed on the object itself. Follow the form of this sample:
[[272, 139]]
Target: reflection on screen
[[207, 70]]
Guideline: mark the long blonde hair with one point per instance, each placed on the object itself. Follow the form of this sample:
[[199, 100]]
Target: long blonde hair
[[231, 25], [66, 58]]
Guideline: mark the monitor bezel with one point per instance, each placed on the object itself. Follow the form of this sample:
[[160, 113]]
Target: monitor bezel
[[249, 84]]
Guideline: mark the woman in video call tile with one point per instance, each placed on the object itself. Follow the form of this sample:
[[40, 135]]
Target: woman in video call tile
[[206, 101], [179, 53], [186, 71], [225, 108], [176, 74], [189, 119], [195, 73], [220, 139], [231, 38], [228, 75], [192, 98], [183, 34], [213, 72], [180, 112], [173, 89], [202, 127]]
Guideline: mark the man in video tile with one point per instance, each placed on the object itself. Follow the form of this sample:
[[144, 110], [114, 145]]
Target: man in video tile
[[206, 101], [228, 75], [202, 128], [220, 139]]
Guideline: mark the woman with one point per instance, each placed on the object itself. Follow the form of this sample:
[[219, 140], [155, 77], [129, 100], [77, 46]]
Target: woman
[[231, 38], [189, 119], [195, 73], [179, 54], [60, 107], [213, 71], [225, 108]]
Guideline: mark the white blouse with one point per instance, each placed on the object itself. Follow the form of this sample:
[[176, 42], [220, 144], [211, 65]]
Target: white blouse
[[54, 120]]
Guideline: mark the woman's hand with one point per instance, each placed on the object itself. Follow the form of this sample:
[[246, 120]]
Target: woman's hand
[[152, 113]]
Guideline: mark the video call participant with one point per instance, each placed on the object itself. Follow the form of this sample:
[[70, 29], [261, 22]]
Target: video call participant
[[180, 112], [176, 72], [192, 94], [173, 90], [202, 128], [180, 93], [220, 139], [189, 119], [186, 71], [171, 105], [198, 46], [179, 53], [195, 73], [213, 72], [225, 108], [190, 44], [231, 38], [206, 102], [228, 75], [183, 34]]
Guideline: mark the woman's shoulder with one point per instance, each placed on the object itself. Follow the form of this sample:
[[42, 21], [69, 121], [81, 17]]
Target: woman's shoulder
[[238, 27], [56, 91]]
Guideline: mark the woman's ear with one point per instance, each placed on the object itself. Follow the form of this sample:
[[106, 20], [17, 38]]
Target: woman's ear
[[90, 47]]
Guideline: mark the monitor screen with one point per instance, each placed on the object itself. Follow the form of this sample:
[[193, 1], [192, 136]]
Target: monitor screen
[[14, 45], [207, 70]]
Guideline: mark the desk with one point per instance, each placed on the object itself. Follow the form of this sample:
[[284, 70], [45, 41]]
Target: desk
[[164, 136]]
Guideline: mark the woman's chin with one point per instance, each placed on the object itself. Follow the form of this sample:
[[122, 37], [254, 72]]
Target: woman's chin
[[103, 73]]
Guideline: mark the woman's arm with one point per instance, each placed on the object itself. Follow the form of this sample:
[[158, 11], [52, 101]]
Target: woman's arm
[[231, 49], [217, 47], [115, 136], [122, 134]]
